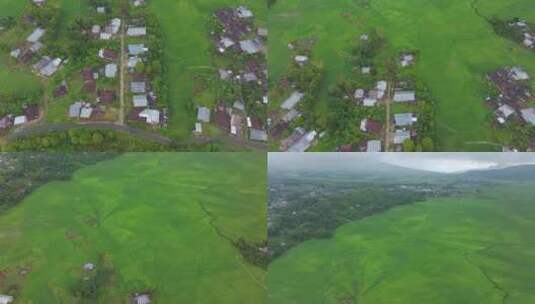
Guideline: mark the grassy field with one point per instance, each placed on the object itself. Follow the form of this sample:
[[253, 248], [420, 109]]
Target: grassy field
[[14, 81], [143, 213], [188, 51], [444, 251], [456, 49]]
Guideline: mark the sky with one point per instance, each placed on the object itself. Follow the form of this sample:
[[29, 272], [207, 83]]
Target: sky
[[435, 162]]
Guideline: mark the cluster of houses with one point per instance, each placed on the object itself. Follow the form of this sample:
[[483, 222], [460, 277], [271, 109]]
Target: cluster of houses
[[238, 35], [527, 31], [514, 95], [29, 113], [46, 66]]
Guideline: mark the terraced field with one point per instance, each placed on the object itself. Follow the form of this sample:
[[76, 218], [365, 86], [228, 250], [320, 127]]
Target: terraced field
[[156, 223], [456, 49], [442, 251]]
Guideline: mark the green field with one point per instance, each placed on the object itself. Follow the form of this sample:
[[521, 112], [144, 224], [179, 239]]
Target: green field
[[456, 50], [14, 81], [444, 251], [143, 213], [188, 51]]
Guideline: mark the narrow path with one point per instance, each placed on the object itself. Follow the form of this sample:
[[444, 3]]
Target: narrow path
[[122, 76], [388, 104]]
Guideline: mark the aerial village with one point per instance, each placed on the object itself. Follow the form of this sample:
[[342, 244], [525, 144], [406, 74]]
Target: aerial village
[[239, 54], [370, 97], [113, 77], [513, 104]]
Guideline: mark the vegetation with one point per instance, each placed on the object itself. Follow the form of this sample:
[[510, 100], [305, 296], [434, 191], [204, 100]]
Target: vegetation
[[137, 218]]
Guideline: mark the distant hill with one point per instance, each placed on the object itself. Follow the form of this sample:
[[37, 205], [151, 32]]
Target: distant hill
[[516, 173]]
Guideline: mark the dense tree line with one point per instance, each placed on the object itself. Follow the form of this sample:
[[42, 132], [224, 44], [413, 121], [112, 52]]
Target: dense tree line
[[21, 173], [504, 29], [253, 253], [319, 216]]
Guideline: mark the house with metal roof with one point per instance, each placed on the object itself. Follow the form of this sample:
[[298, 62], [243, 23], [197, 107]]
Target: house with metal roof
[[203, 114], [405, 96], [140, 101], [294, 99], [404, 119]]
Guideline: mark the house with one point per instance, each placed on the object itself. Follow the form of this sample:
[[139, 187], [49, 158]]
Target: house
[[106, 96], [36, 47], [400, 136], [405, 96], [95, 29], [101, 10], [407, 59], [138, 87], [528, 115], [359, 94], [517, 73], [292, 139], [503, 112], [86, 111], [115, 25], [152, 116], [381, 88], [5, 299], [239, 105], [61, 90], [244, 12], [36, 35], [111, 70], [370, 125], [301, 60], [251, 46], [235, 124], [15, 53], [136, 4], [107, 54], [366, 70], [404, 119], [39, 2], [371, 99], [203, 114], [89, 266], [6, 122], [258, 135], [304, 143], [262, 31], [136, 31], [51, 68], [140, 101], [198, 128], [373, 146], [105, 36], [137, 49], [132, 62], [290, 103], [291, 115], [20, 120]]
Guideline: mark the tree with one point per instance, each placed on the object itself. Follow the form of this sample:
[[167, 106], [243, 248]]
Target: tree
[[409, 146], [427, 145]]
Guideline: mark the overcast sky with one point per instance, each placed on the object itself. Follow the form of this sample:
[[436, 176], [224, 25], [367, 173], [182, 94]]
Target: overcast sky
[[437, 162]]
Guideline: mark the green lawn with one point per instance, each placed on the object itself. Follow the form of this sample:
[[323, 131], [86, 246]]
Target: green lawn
[[143, 212], [443, 251], [457, 48], [188, 51]]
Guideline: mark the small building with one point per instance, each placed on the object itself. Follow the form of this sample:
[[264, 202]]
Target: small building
[[373, 146], [198, 128], [89, 266], [504, 111], [86, 111], [36, 35], [203, 114], [404, 119], [407, 60], [101, 10], [15, 53], [5, 122], [304, 143], [405, 96], [136, 31], [138, 87], [400, 136], [381, 88], [5, 299], [291, 115], [111, 70], [293, 100], [115, 25], [366, 70], [262, 31], [528, 115], [140, 101], [517, 73], [20, 120], [36, 47], [251, 46], [239, 105], [301, 60], [107, 54], [151, 116], [244, 12], [106, 96], [74, 109], [95, 29], [258, 135], [132, 62], [137, 49]]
